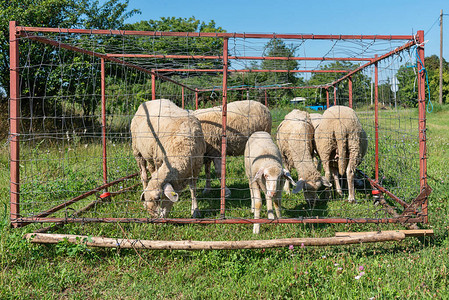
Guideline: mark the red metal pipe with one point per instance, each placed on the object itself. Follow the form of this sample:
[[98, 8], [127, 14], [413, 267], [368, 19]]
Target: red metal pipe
[[224, 221], [216, 34], [80, 197], [153, 86], [350, 91], [224, 117], [196, 99], [103, 121], [422, 118], [376, 120], [14, 115], [327, 97], [216, 57], [335, 95], [252, 71], [266, 98]]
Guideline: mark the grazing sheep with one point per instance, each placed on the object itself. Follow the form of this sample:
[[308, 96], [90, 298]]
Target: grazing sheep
[[341, 143], [263, 166], [294, 137], [168, 142], [243, 118]]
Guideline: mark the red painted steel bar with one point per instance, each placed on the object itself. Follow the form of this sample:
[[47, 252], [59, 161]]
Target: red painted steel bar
[[153, 86], [196, 99], [335, 95], [350, 91], [376, 120], [14, 115], [327, 97], [224, 221], [422, 118], [263, 88], [224, 137], [103, 121], [216, 57], [252, 71], [216, 34], [80, 197]]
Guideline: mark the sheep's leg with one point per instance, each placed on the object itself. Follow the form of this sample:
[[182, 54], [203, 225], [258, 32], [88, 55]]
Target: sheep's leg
[[270, 212], [194, 210], [207, 165], [217, 164], [287, 187], [257, 199], [334, 173], [141, 162], [350, 178], [277, 204]]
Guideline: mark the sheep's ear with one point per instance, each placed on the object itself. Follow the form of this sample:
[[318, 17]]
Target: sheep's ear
[[287, 176], [300, 184], [170, 193], [258, 175], [326, 182], [142, 196]]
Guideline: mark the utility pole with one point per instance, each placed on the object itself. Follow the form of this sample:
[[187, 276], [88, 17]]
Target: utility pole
[[441, 57]]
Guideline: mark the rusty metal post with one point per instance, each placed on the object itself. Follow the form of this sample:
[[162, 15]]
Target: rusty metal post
[[350, 90], [335, 95], [327, 97], [153, 85], [182, 97], [196, 99], [224, 117], [14, 115], [422, 118], [376, 120], [103, 120]]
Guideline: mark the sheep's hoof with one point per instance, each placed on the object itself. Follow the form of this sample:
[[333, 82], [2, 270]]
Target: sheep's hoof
[[351, 200], [340, 192], [196, 214]]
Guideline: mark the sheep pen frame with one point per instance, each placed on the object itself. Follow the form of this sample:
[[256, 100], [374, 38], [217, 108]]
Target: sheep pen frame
[[413, 212]]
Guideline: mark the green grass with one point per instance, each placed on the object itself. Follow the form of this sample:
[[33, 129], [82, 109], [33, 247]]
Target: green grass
[[415, 268]]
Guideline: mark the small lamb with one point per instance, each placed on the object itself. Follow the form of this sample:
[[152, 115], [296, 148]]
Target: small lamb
[[263, 166], [341, 143], [243, 118], [295, 140], [168, 142]]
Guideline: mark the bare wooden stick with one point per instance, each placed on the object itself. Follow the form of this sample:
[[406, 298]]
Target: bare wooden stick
[[46, 238], [408, 233]]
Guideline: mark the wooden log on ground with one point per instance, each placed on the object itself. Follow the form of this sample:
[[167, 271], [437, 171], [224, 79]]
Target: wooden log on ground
[[408, 233], [46, 238]]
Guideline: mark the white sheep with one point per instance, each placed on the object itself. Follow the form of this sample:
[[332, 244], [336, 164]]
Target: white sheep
[[315, 118], [243, 119], [263, 166], [294, 138], [168, 142], [341, 144]]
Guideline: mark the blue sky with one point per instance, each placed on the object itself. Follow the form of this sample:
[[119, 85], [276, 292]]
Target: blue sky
[[317, 17]]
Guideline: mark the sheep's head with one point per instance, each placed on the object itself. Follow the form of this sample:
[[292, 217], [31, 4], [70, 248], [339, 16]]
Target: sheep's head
[[159, 200], [274, 178], [310, 188]]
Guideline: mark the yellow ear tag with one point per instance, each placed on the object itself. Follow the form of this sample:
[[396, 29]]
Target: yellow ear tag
[[173, 193]]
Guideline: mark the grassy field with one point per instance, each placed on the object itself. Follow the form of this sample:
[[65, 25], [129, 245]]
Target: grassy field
[[417, 268]]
